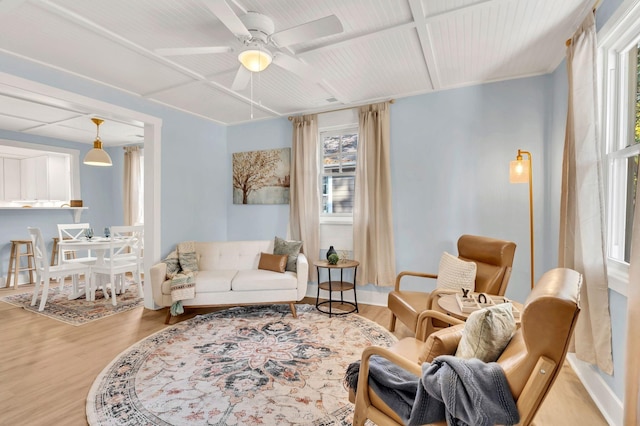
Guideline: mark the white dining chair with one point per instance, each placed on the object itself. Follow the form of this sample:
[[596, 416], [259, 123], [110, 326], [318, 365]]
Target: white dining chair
[[123, 256], [45, 272], [73, 231], [137, 254]]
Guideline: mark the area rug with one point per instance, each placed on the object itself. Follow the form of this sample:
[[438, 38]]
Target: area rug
[[77, 311], [241, 366]]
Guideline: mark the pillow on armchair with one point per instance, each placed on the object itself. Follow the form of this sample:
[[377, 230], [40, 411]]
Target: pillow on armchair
[[487, 332], [455, 273]]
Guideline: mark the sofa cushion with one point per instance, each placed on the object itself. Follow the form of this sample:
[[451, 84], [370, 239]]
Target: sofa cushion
[[291, 249], [208, 281], [258, 279], [273, 262], [237, 255]]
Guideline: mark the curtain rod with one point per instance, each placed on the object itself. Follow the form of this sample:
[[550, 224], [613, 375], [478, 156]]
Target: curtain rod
[[391, 101]]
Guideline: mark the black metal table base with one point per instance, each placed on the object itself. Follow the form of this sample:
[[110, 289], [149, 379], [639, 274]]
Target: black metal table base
[[354, 307], [340, 286]]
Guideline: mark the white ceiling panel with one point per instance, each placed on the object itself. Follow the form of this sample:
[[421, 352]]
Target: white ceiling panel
[[373, 67], [34, 111], [209, 102], [387, 49], [16, 124]]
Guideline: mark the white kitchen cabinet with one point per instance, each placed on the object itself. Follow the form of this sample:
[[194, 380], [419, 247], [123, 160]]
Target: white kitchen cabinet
[[59, 173], [12, 179], [45, 178]]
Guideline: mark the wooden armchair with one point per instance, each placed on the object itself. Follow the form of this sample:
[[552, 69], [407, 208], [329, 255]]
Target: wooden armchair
[[493, 259], [531, 361]]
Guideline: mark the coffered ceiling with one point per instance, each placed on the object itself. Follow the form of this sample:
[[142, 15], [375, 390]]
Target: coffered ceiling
[[386, 49]]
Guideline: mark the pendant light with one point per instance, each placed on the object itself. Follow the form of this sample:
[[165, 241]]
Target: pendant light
[[97, 156]]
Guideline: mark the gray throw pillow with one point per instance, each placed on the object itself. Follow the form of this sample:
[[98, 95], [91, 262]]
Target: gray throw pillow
[[291, 249]]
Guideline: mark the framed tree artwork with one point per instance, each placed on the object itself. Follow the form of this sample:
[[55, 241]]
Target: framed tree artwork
[[261, 177]]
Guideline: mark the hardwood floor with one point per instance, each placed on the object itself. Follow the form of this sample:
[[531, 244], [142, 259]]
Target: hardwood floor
[[47, 367]]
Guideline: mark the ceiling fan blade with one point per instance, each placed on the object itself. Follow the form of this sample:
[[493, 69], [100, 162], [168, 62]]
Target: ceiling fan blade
[[295, 66], [227, 16], [242, 78], [179, 51], [311, 30]]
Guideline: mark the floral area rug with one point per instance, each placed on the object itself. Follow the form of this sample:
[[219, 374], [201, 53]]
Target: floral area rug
[[241, 366], [78, 311]]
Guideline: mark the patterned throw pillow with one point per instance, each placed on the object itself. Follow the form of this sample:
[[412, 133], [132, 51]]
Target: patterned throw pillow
[[487, 332], [291, 249], [173, 264], [273, 262], [456, 274], [187, 256]]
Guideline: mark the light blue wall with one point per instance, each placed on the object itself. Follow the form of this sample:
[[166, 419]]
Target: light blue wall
[[254, 221], [450, 154]]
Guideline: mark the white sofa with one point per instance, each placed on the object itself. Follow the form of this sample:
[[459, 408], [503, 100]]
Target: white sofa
[[228, 274]]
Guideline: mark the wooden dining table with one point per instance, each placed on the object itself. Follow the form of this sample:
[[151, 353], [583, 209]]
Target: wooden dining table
[[99, 245]]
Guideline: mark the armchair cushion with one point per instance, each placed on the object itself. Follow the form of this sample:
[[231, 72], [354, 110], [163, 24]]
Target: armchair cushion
[[456, 274], [487, 332]]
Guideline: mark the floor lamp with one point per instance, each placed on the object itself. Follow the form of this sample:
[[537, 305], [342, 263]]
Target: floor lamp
[[521, 171]]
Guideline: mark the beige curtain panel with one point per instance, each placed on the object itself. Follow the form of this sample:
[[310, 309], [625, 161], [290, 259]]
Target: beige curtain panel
[[304, 211], [581, 240], [132, 185], [372, 211]]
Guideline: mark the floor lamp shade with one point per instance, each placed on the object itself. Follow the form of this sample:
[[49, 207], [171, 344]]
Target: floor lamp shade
[[519, 171]]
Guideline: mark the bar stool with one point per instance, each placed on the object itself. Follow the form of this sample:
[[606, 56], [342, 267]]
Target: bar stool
[[15, 267], [54, 252]]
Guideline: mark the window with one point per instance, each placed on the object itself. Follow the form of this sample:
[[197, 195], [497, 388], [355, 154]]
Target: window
[[338, 171], [620, 66]]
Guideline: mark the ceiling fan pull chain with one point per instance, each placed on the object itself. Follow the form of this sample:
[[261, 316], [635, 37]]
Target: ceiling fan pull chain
[[252, 96]]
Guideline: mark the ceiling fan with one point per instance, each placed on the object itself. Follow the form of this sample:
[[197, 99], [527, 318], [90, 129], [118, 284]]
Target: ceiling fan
[[261, 42]]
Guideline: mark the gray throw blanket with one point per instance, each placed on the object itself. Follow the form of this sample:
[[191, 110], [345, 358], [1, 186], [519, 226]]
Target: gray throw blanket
[[460, 391]]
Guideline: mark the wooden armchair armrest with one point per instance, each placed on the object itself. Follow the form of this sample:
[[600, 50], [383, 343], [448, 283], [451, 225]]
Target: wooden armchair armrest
[[412, 274], [425, 325], [362, 393]]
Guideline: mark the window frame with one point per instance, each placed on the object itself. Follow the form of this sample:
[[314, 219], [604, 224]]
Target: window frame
[[615, 40], [334, 218]]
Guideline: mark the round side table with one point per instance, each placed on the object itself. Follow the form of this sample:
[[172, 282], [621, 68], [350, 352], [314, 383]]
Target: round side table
[[335, 285]]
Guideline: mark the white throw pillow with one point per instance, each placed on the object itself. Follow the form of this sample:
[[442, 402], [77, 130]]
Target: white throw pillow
[[487, 332], [456, 274]]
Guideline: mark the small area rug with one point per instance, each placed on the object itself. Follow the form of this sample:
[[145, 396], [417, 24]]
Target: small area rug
[[78, 311], [242, 366]]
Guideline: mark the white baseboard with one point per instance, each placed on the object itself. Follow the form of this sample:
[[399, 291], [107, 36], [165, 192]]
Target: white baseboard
[[375, 298], [607, 402]]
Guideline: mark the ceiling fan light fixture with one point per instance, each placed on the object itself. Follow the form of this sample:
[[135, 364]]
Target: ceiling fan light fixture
[[97, 156], [255, 60]]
